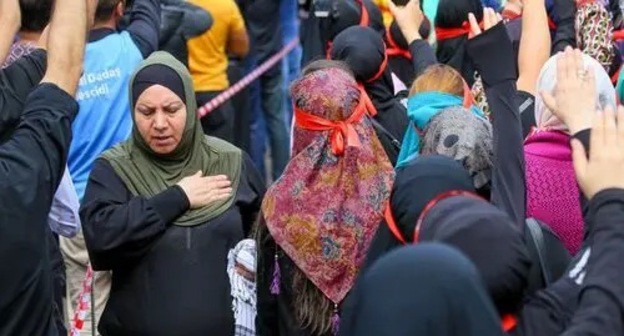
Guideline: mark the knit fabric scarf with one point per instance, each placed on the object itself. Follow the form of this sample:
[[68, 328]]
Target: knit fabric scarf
[[421, 108], [553, 195], [325, 209]]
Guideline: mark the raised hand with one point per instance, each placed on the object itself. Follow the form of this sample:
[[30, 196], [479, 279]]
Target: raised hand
[[409, 18], [10, 13], [203, 190], [10, 21], [603, 170], [490, 19], [574, 98]]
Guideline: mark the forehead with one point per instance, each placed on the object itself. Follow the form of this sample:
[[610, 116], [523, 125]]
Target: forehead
[[158, 94]]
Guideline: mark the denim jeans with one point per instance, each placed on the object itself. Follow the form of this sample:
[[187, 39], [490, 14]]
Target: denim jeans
[[268, 108]]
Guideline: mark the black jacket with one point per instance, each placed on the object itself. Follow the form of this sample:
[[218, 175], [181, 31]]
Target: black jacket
[[16, 82], [180, 21], [589, 299], [167, 280], [31, 165]]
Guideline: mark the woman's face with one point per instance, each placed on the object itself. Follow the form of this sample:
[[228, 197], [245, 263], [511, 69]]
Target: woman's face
[[160, 117]]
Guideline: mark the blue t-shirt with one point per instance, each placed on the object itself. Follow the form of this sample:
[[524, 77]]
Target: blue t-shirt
[[104, 118]]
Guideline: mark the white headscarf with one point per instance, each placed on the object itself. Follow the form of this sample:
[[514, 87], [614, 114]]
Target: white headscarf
[[548, 80]]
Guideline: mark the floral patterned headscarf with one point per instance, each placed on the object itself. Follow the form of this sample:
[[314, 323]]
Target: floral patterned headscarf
[[325, 209], [594, 32]]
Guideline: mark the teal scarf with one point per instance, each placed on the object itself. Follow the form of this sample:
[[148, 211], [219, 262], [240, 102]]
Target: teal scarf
[[421, 108]]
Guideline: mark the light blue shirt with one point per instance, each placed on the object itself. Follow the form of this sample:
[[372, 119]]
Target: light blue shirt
[[63, 217]]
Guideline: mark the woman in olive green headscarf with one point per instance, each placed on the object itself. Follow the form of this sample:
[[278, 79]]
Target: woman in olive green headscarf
[[163, 209]]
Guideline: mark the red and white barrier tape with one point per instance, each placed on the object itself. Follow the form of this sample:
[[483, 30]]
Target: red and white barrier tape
[[83, 307], [245, 81]]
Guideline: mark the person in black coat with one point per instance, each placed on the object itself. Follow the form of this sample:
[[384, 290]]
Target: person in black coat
[[163, 209], [593, 308], [328, 18], [33, 158]]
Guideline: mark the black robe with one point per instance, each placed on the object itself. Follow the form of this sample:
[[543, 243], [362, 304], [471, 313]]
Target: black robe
[[32, 160], [167, 280]]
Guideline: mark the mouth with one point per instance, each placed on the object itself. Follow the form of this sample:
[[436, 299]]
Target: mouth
[[162, 140]]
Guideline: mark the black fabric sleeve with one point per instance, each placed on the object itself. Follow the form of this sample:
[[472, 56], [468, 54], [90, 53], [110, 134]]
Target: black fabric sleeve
[[144, 26], [267, 322], [492, 54], [32, 161], [526, 106], [423, 56], [584, 136], [601, 302], [565, 33], [16, 82], [118, 227], [250, 199]]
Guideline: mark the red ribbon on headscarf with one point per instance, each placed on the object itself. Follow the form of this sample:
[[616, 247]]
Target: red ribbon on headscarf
[[364, 16], [382, 69], [343, 132], [451, 33], [510, 15], [394, 49]]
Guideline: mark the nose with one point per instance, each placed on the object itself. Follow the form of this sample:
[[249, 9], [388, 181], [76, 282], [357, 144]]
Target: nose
[[160, 121]]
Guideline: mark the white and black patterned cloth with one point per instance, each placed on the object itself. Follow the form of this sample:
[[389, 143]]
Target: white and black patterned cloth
[[243, 290]]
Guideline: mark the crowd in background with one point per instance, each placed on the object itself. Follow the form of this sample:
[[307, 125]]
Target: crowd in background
[[311, 167]]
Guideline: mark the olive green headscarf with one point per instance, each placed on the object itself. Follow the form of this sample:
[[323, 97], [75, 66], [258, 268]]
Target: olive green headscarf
[[146, 173]]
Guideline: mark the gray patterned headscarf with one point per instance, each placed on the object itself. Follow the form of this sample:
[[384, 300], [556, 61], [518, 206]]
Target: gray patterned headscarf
[[464, 137]]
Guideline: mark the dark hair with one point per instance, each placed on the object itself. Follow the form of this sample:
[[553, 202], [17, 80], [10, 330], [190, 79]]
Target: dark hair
[[453, 13], [325, 64], [35, 14], [105, 9]]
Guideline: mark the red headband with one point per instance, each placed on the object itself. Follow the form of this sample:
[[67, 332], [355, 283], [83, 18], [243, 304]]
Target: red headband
[[364, 17], [451, 33], [381, 70], [394, 49], [343, 133]]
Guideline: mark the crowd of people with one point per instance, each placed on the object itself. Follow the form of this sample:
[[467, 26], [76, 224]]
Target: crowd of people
[[432, 167]]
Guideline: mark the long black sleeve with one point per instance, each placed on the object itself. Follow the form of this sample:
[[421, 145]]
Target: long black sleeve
[[144, 26], [565, 33], [119, 227], [251, 200], [267, 319], [16, 82], [601, 302], [492, 54], [31, 165], [423, 56]]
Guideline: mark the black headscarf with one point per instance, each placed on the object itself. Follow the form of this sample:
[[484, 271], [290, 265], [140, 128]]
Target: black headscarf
[[415, 184], [363, 49], [316, 32], [481, 231], [424, 290], [401, 66], [452, 52], [488, 237]]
